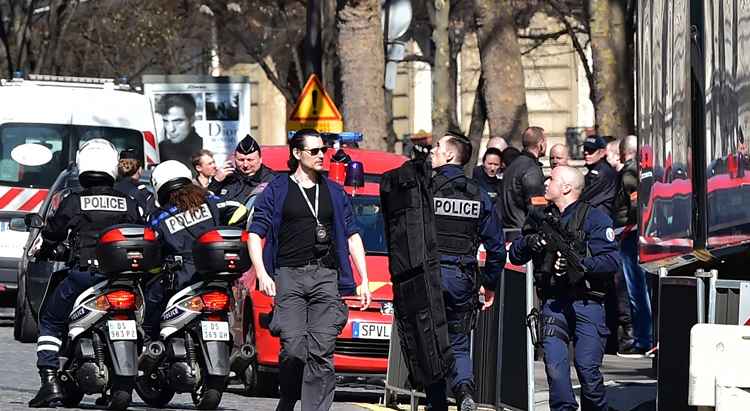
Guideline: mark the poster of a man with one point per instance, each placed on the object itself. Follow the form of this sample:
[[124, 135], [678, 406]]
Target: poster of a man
[[178, 114]]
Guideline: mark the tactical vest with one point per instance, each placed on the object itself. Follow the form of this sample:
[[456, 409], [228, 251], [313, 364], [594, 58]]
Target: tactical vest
[[457, 203], [589, 287], [99, 208]]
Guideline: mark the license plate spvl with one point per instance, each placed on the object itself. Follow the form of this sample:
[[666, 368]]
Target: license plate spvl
[[375, 331], [215, 330], [122, 330]]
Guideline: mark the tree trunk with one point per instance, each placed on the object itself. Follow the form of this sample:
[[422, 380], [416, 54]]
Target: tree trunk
[[443, 110], [504, 88], [362, 71], [613, 69], [476, 127]]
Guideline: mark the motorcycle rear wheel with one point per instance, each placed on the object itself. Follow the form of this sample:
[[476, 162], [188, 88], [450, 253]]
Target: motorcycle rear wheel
[[210, 393], [154, 393], [120, 394]]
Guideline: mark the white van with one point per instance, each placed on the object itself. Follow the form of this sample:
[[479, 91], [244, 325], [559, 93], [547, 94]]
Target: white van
[[43, 120]]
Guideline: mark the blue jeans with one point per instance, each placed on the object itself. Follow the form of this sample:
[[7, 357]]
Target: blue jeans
[[582, 322], [638, 291]]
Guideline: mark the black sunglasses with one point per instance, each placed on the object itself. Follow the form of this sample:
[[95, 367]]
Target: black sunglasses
[[316, 150]]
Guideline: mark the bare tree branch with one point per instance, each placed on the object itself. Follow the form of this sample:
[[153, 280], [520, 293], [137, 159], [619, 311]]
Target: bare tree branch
[[561, 12]]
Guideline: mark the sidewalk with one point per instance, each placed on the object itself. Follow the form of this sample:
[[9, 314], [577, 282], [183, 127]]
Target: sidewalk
[[630, 384]]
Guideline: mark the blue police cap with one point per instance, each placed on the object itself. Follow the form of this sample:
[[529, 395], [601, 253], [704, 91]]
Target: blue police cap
[[595, 142]]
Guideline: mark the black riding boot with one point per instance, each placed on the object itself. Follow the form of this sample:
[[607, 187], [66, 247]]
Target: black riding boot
[[49, 392], [465, 398]]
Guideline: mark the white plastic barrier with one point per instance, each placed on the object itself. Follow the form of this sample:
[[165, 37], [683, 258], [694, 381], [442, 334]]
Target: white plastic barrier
[[718, 361]]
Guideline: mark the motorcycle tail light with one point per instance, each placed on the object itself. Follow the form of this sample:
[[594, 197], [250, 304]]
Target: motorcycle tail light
[[122, 300], [193, 304], [215, 301], [112, 236], [209, 237]]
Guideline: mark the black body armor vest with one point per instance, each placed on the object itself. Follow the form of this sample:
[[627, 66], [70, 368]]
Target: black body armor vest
[[458, 204]]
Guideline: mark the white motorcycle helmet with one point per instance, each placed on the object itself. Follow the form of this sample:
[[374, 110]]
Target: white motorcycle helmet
[[169, 176], [97, 163]]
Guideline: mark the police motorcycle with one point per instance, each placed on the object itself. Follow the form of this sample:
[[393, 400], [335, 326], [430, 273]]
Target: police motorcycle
[[100, 351], [193, 352]]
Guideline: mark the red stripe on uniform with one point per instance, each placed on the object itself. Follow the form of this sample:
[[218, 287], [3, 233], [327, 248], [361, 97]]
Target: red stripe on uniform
[[34, 201], [9, 196]]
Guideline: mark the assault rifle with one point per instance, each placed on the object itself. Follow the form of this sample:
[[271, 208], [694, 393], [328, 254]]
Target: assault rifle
[[559, 240]]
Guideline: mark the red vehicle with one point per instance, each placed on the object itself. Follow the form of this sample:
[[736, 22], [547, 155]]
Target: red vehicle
[[361, 355]]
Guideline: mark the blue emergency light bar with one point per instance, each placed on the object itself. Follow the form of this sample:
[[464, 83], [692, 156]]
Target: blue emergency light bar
[[345, 137]]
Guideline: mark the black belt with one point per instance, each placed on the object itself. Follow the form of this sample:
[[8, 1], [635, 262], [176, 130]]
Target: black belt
[[314, 261]]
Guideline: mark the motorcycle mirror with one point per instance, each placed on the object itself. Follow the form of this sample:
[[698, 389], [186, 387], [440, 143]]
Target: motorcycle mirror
[[33, 220], [18, 224]]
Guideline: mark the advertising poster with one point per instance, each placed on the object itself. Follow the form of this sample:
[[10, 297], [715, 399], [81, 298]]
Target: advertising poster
[[198, 112]]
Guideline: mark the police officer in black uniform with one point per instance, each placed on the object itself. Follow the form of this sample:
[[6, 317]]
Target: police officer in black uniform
[[572, 312], [185, 211], [601, 180], [249, 174], [80, 219], [129, 170], [464, 215]]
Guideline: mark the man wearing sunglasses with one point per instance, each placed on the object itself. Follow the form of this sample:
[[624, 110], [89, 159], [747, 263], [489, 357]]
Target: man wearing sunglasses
[[601, 179], [244, 175], [308, 224]]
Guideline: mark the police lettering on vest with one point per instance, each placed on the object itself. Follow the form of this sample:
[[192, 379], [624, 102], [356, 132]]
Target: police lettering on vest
[[103, 203], [188, 218], [457, 208]]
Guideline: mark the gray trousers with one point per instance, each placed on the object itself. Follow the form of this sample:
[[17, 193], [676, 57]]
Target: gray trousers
[[308, 315]]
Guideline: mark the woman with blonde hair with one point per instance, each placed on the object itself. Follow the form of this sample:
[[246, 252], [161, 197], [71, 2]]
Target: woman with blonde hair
[[129, 171]]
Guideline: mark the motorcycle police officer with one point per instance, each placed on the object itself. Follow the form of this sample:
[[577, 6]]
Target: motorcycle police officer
[[185, 211], [129, 170], [572, 312], [80, 219], [248, 173], [464, 215]]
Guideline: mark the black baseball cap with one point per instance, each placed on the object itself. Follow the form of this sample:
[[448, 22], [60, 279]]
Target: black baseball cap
[[129, 153]]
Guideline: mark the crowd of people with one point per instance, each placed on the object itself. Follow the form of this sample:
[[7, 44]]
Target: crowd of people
[[306, 222], [614, 297]]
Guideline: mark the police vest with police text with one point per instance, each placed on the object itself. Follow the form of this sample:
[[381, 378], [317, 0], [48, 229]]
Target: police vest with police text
[[458, 206], [100, 207]]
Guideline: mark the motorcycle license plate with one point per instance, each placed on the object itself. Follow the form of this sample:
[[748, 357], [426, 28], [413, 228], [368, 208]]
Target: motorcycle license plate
[[375, 331], [122, 330], [215, 330]]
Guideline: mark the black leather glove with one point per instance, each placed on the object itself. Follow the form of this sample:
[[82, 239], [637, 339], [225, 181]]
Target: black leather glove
[[534, 242]]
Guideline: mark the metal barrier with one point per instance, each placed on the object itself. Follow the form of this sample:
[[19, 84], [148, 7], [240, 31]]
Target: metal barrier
[[501, 350], [712, 300]]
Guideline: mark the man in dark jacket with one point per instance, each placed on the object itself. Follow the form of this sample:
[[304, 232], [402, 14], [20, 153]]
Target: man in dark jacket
[[249, 173], [601, 178], [625, 216], [523, 180]]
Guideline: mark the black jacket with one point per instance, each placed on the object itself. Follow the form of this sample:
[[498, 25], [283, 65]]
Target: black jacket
[[522, 180], [625, 210], [239, 188], [601, 183], [84, 215], [492, 185]]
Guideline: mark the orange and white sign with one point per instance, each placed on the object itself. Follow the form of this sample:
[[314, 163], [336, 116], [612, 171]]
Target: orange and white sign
[[315, 109]]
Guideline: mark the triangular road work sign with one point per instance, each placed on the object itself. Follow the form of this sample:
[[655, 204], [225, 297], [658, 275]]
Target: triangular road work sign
[[315, 109]]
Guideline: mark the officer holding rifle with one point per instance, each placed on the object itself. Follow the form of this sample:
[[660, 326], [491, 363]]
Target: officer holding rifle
[[575, 256]]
